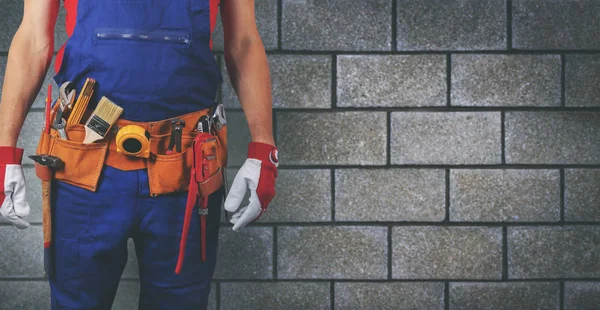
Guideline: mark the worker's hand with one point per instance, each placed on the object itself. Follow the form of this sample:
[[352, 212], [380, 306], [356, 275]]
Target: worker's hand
[[257, 174], [12, 187]]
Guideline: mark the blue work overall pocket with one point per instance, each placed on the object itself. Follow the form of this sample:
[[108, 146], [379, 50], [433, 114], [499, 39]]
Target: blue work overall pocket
[[142, 61]]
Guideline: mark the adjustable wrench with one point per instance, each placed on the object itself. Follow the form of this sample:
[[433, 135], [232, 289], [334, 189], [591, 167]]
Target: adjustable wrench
[[65, 101]]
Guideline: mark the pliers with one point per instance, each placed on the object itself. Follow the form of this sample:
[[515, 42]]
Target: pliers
[[177, 126]]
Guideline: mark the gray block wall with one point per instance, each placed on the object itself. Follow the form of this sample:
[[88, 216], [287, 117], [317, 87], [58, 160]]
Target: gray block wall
[[436, 154]]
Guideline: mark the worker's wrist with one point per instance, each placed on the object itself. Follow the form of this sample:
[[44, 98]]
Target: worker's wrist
[[266, 140], [8, 141]]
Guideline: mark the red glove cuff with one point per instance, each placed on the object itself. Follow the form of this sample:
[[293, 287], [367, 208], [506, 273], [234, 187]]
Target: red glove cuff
[[10, 155], [264, 152]]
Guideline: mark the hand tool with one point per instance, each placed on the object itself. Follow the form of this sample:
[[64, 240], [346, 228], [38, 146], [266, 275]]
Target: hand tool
[[64, 101], [177, 125], [67, 95], [46, 191], [47, 110], [98, 125], [198, 175], [204, 124], [218, 117], [82, 102], [49, 161], [53, 163], [133, 140], [60, 125]]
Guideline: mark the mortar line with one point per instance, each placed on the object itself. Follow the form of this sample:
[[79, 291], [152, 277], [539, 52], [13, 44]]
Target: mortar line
[[348, 280], [504, 253], [399, 224], [502, 137], [447, 195], [405, 224], [562, 195], [446, 295], [218, 295], [388, 142], [389, 258], [448, 80], [274, 249], [561, 295], [394, 25], [509, 25], [332, 294], [333, 81], [279, 23], [563, 90], [332, 184], [513, 51]]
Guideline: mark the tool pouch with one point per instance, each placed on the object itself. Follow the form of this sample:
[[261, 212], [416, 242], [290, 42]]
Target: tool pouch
[[207, 164], [42, 172], [169, 173], [82, 162]]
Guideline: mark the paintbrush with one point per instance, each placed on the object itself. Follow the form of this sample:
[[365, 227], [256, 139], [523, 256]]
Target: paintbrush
[[82, 102], [104, 116]]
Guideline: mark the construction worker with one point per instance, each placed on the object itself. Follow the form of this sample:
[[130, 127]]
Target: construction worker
[[153, 58]]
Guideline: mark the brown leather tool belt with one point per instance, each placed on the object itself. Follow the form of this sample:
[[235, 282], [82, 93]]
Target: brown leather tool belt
[[167, 173]]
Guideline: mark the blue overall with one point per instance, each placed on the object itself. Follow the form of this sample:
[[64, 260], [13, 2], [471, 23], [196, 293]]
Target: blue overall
[[154, 59]]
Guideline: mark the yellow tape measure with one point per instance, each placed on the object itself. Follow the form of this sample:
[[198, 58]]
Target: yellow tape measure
[[133, 140]]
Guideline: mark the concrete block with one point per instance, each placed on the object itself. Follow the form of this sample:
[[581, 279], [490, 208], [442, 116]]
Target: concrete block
[[555, 25], [388, 296], [450, 138], [390, 195], [336, 25], [549, 252], [552, 137], [275, 295], [505, 195], [512, 295], [451, 25], [332, 252], [391, 81], [332, 138], [505, 80], [430, 252], [582, 195]]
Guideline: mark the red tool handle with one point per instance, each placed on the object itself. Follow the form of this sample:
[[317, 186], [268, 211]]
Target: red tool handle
[[48, 107], [204, 205], [189, 207], [193, 194]]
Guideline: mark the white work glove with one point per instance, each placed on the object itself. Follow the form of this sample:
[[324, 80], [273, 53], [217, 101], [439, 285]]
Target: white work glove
[[13, 194], [257, 174]]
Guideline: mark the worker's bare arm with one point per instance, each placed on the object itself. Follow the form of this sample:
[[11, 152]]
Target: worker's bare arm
[[29, 57], [247, 66]]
